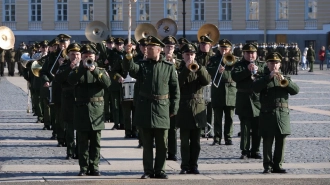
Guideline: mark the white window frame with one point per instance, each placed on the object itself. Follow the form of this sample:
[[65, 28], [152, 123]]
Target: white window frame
[[169, 11], [89, 11], [200, 9], [62, 3], [282, 10], [312, 10], [35, 3], [119, 14], [228, 16], [5, 10], [146, 12], [248, 10]]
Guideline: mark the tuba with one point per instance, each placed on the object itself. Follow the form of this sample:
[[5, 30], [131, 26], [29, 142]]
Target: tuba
[[144, 30], [166, 27], [7, 38], [211, 31], [96, 31]]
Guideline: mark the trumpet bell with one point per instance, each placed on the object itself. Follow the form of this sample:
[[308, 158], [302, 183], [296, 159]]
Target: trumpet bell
[[7, 38], [193, 67], [284, 83], [144, 30], [96, 31], [211, 31], [166, 27], [35, 68]]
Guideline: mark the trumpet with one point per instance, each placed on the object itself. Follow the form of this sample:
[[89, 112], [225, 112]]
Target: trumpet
[[193, 67], [229, 60], [283, 82], [89, 62]]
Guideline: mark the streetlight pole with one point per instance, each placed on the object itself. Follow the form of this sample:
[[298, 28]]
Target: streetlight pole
[[184, 18]]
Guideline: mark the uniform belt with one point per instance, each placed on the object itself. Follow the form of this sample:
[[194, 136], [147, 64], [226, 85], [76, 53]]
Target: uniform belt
[[283, 105], [154, 96], [244, 90], [94, 99], [191, 96]]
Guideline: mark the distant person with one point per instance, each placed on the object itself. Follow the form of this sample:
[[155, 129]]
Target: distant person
[[304, 60], [322, 57], [327, 55], [311, 57]]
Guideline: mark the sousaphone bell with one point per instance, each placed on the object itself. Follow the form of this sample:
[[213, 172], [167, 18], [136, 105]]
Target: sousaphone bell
[[166, 27], [144, 30], [211, 31], [7, 38], [96, 31]]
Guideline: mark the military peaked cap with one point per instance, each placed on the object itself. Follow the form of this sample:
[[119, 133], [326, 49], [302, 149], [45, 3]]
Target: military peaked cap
[[155, 41], [88, 48], [183, 41], [188, 48], [170, 40], [205, 39], [44, 43], [225, 43], [143, 41], [110, 39], [250, 47], [63, 37], [119, 40], [274, 57], [133, 41], [73, 47]]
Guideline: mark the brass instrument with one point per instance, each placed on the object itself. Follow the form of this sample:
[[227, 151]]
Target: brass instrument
[[211, 31], [166, 27], [89, 62], [36, 66], [62, 54], [96, 31], [229, 60], [7, 38], [253, 72], [193, 67], [144, 30], [26, 60], [283, 82]]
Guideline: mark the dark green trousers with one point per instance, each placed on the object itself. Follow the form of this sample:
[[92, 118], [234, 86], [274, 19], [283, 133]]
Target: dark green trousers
[[172, 138], [228, 126], [190, 147], [107, 104], [53, 120], [89, 149], [273, 161], [69, 138], [117, 109], [247, 124], [60, 127], [37, 101], [47, 113], [311, 66], [148, 136], [128, 113], [209, 119]]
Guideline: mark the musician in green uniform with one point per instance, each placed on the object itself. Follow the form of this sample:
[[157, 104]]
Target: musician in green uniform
[[170, 56], [274, 92], [2, 61], [224, 96], [181, 41], [89, 82], [248, 102], [19, 52], [191, 115], [10, 59], [158, 101]]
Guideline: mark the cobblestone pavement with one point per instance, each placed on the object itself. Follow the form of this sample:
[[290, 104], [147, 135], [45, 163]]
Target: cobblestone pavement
[[23, 142]]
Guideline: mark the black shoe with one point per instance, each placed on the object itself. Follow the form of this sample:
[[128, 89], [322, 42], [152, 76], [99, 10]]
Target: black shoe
[[267, 171], [256, 156], [243, 156], [82, 173], [278, 170], [216, 143], [229, 142], [46, 128], [68, 157], [172, 157], [94, 173], [60, 144], [133, 136], [139, 146], [147, 176], [34, 114], [75, 156], [115, 127], [183, 172], [203, 135], [154, 145], [239, 134], [161, 176], [53, 138], [38, 121], [193, 171], [127, 136]]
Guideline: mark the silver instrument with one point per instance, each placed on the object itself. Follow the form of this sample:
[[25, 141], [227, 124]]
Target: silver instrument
[[89, 62], [229, 60], [207, 93], [128, 88], [253, 72]]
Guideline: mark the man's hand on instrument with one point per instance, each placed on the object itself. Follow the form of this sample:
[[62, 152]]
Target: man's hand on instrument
[[61, 61], [128, 48], [171, 115], [121, 80], [221, 69], [106, 61], [91, 68], [252, 67], [46, 84]]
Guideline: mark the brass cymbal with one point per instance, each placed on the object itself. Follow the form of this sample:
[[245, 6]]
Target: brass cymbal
[[211, 31], [166, 27], [96, 31], [7, 38], [144, 30]]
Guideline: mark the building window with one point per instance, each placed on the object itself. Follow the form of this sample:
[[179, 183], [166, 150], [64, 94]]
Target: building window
[[61, 10], [311, 9], [87, 10], [117, 10], [253, 10], [198, 10], [9, 12], [171, 9], [143, 10], [225, 10], [35, 10], [282, 9]]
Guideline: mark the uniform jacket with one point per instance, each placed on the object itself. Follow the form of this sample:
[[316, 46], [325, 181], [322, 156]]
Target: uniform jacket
[[203, 58], [225, 94], [192, 110], [2, 55], [295, 54], [156, 78], [274, 118], [89, 114], [310, 55], [10, 55], [247, 102]]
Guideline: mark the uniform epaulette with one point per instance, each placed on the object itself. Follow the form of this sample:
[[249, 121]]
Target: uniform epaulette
[[100, 68], [165, 61]]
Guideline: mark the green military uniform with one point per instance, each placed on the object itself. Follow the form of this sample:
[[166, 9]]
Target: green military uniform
[[37, 100], [295, 58], [310, 58], [89, 105], [191, 115], [247, 104], [2, 61], [223, 97], [274, 115], [158, 98], [10, 59], [19, 52], [238, 52], [177, 51]]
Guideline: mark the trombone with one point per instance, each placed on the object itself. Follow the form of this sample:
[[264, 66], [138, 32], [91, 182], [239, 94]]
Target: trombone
[[229, 60], [63, 54]]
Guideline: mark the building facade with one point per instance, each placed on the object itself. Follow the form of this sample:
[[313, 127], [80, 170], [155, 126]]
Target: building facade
[[301, 21]]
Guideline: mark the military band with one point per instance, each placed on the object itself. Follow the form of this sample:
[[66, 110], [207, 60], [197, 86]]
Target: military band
[[80, 87]]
